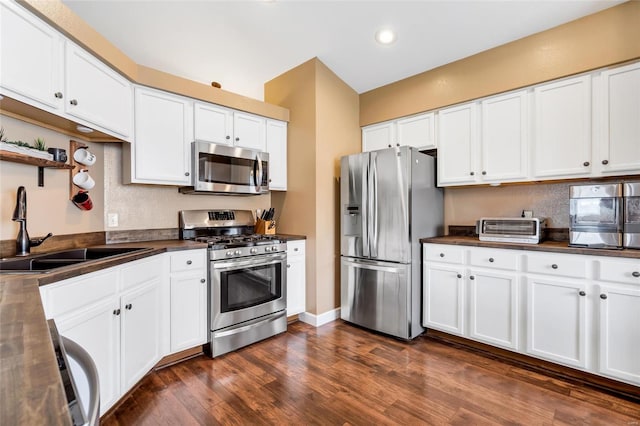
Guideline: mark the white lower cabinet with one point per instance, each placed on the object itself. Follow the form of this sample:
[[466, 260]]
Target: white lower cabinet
[[556, 320], [493, 307], [581, 311], [115, 314], [296, 280], [188, 288]]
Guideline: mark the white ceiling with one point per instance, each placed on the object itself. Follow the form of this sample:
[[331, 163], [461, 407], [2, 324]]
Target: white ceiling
[[243, 44]]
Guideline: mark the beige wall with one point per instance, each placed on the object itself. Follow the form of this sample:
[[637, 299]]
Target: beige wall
[[323, 126], [48, 207], [138, 206], [598, 40], [463, 206]]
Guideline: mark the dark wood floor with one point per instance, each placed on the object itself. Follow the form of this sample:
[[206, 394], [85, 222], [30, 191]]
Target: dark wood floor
[[341, 375]]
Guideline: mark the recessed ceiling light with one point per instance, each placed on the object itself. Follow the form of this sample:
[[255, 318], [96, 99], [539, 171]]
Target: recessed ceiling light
[[385, 36], [83, 129]]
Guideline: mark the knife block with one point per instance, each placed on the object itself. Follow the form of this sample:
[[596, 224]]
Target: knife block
[[265, 226]]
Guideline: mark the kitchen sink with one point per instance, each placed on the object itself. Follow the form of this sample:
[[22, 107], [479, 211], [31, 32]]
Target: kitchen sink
[[50, 261]]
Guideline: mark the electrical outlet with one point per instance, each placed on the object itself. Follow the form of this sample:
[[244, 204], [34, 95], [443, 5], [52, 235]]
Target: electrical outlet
[[112, 220], [527, 213]]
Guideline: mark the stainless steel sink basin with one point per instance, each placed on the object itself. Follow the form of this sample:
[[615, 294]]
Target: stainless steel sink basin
[[50, 261]]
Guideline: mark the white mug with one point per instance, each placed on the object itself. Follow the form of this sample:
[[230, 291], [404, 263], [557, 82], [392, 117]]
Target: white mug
[[83, 180], [83, 156]]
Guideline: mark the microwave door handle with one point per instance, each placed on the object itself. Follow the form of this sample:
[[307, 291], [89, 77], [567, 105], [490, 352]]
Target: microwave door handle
[[257, 177]]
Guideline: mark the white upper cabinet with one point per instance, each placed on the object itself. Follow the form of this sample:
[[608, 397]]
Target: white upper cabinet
[[277, 149], [213, 123], [504, 137], [417, 131], [457, 133], [96, 94], [378, 136], [562, 129], [30, 59], [220, 125], [249, 131], [161, 152], [617, 126]]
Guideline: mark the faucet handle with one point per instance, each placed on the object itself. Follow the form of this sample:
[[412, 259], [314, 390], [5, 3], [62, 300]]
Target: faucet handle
[[37, 241]]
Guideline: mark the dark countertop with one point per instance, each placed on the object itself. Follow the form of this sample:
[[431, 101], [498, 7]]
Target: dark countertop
[[548, 246], [30, 386]]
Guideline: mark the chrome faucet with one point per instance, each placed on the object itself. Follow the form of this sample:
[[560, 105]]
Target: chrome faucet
[[23, 243]]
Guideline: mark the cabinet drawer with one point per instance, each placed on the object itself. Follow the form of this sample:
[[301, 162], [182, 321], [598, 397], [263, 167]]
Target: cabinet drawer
[[556, 264], [68, 295], [141, 271], [188, 260], [494, 258], [443, 253], [295, 248], [618, 271]]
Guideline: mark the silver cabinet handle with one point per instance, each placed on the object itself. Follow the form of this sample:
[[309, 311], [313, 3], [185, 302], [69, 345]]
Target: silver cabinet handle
[[554, 266], [202, 280], [116, 312], [237, 139], [128, 306], [186, 173], [484, 172], [582, 293], [472, 173], [586, 164], [441, 254], [189, 262], [228, 137], [73, 102], [459, 275], [58, 95], [605, 162], [635, 274], [603, 296], [472, 277], [491, 259]]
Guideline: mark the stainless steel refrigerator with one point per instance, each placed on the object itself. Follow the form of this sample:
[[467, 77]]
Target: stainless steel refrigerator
[[388, 201]]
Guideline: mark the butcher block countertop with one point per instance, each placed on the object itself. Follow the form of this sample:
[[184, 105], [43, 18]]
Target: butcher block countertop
[[547, 246], [30, 386]]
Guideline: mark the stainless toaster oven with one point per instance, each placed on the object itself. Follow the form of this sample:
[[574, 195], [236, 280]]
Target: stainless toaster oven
[[512, 230]]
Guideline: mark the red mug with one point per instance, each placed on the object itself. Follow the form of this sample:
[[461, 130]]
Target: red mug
[[82, 200]]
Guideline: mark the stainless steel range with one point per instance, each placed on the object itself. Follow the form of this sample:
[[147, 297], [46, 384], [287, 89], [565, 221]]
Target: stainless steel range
[[247, 277]]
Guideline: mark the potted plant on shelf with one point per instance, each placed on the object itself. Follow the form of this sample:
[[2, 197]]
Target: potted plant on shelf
[[38, 149]]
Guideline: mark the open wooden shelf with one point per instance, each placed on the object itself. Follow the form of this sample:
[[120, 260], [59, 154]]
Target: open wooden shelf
[[41, 163]]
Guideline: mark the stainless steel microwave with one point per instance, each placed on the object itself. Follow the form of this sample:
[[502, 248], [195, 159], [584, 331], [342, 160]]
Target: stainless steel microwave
[[221, 169]]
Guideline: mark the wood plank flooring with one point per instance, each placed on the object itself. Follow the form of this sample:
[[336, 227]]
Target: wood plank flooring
[[339, 374]]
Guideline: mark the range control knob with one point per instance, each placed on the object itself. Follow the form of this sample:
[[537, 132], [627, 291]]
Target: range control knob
[[229, 253], [253, 250], [237, 252]]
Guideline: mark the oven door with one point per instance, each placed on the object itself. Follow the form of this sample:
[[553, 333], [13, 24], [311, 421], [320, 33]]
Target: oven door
[[247, 288]]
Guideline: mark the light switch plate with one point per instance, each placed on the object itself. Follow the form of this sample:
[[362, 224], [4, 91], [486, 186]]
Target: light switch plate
[[112, 220]]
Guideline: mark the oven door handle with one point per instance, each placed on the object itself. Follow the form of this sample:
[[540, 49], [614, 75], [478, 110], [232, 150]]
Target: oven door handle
[[252, 261]]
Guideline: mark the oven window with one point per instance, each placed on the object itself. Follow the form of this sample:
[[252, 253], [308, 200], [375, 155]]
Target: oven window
[[632, 213], [246, 287], [594, 211]]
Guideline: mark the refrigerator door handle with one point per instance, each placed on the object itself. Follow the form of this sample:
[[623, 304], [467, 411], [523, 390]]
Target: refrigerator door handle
[[374, 206], [376, 266], [364, 209]]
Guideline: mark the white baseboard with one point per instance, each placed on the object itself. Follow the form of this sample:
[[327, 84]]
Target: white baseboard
[[318, 320]]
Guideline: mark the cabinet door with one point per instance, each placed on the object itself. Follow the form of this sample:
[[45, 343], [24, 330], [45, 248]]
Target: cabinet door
[[457, 134], [619, 332], [493, 308], [140, 332], [444, 297], [296, 279], [97, 330], [188, 310], [30, 58], [378, 136], [556, 322], [619, 121], [161, 151], [562, 129], [417, 131], [97, 94], [213, 123], [249, 131], [504, 138], [277, 149]]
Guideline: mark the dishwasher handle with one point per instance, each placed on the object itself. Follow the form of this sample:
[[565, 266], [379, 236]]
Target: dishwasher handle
[[82, 357]]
